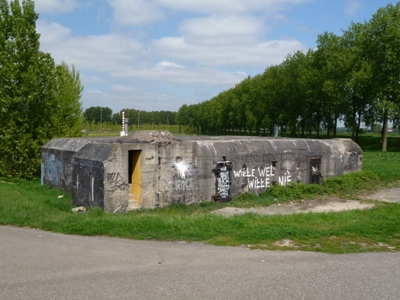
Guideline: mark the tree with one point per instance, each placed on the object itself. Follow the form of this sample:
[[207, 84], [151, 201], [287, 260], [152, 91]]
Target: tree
[[383, 41], [328, 52], [34, 94], [98, 114], [67, 111]]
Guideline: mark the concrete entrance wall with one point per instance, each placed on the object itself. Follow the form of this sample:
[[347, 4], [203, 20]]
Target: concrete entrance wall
[[153, 168]]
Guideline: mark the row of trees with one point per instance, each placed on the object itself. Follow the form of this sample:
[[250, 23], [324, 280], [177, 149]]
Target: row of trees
[[354, 77], [39, 99], [105, 115]]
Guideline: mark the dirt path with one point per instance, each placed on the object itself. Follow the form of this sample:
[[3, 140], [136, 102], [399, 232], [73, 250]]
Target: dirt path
[[326, 204]]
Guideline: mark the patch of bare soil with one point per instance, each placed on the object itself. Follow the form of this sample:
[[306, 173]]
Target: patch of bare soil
[[384, 195], [326, 204]]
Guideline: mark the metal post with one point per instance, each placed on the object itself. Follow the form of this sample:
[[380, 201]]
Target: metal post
[[126, 121], [123, 121], [122, 133]]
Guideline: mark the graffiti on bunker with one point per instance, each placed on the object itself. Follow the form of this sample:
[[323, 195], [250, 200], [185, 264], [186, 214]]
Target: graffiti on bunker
[[53, 169], [185, 172], [262, 177], [117, 181], [222, 173]]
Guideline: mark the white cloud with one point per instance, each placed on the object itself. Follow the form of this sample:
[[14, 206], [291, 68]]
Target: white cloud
[[216, 40], [104, 53], [122, 88], [228, 6], [222, 29], [168, 64], [352, 6], [197, 58], [96, 93], [86, 79], [136, 12], [182, 76], [52, 33], [262, 53], [55, 6]]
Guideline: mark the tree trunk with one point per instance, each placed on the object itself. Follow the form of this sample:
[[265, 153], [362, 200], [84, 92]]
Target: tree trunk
[[303, 127], [353, 120], [358, 127], [384, 130], [328, 125]]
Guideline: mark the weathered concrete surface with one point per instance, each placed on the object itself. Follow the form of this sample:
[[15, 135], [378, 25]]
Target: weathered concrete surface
[[41, 265], [153, 168]]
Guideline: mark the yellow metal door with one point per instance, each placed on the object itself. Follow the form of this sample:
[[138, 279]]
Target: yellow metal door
[[135, 161]]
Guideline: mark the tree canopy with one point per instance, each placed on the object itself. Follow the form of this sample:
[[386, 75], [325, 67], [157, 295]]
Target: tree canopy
[[354, 78], [39, 100]]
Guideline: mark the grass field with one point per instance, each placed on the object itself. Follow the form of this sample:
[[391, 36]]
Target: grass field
[[28, 204]]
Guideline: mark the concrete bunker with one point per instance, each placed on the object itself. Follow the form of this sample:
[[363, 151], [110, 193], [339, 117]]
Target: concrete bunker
[[154, 168]]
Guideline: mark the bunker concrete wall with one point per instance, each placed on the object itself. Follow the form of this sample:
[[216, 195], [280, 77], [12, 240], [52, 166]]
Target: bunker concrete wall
[[255, 164], [98, 172], [56, 162]]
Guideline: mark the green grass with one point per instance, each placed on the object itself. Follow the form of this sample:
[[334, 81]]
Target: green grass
[[28, 204], [386, 165]]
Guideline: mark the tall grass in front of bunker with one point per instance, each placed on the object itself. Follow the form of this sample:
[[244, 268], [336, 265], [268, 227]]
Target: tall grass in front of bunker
[[345, 185], [31, 205], [342, 232], [28, 203]]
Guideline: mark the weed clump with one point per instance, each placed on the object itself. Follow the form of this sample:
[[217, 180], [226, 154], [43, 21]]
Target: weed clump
[[347, 183]]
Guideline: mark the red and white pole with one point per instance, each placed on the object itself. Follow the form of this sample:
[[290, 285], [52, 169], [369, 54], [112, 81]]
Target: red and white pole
[[123, 121]]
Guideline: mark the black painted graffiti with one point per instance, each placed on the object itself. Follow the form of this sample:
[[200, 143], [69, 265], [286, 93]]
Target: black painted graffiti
[[223, 184], [117, 181], [223, 180]]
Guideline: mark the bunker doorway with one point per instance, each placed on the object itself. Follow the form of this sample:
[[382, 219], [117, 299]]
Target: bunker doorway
[[315, 170], [135, 175]]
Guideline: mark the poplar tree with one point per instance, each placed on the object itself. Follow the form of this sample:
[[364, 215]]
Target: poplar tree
[[383, 42], [34, 98]]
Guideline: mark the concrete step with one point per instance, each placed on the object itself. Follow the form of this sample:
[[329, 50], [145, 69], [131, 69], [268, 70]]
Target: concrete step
[[133, 203]]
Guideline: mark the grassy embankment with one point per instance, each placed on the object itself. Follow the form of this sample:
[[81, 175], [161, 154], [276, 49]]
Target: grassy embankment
[[28, 204]]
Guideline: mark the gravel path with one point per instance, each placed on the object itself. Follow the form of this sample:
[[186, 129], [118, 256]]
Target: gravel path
[[327, 204]]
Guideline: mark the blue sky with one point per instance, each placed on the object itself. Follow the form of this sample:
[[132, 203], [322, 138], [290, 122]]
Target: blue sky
[[160, 54]]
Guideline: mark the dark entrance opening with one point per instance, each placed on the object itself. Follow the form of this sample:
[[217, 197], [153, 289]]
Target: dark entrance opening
[[135, 174], [315, 170]]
